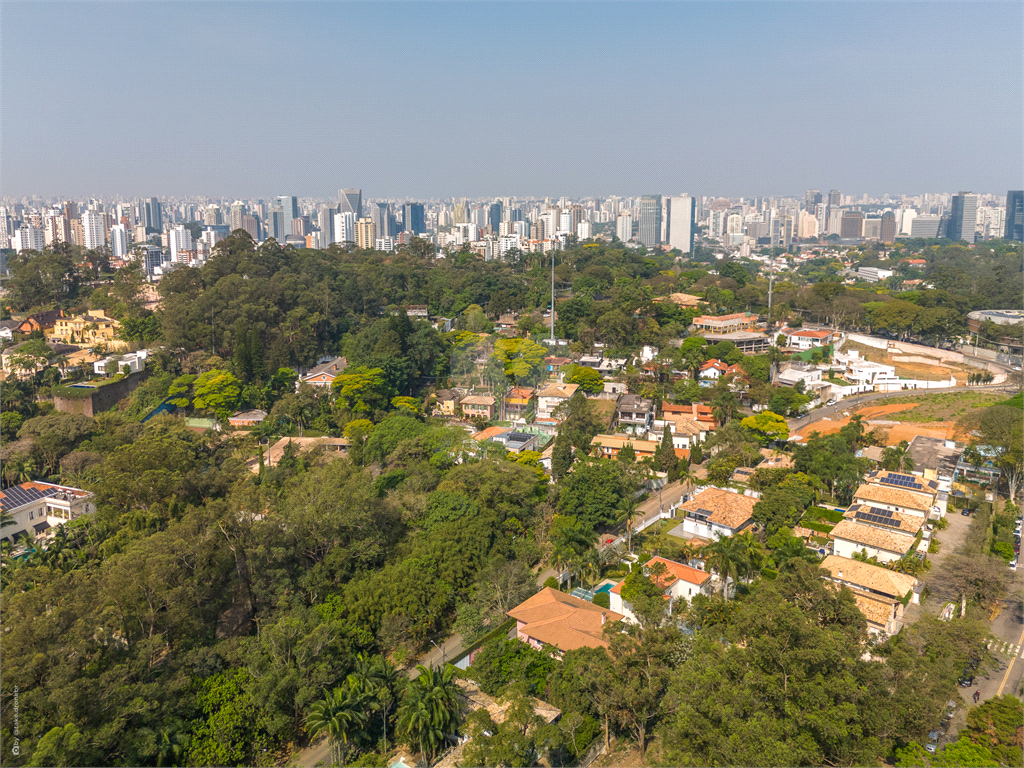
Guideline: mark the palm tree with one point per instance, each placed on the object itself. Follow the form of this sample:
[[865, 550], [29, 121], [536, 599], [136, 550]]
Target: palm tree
[[430, 709], [792, 552], [170, 744], [897, 458], [627, 511], [569, 543], [754, 553], [727, 556], [341, 713]]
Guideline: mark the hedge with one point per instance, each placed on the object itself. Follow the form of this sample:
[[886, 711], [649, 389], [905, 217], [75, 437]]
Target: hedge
[[816, 526], [820, 513]]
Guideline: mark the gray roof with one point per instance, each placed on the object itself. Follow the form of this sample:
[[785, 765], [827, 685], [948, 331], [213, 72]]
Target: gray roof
[[932, 453], [337, 365]]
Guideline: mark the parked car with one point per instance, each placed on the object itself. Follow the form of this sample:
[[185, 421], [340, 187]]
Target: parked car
[[1013, 564], [965, 512]]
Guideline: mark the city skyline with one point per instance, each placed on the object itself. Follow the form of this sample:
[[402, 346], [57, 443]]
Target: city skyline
[[579, 100]]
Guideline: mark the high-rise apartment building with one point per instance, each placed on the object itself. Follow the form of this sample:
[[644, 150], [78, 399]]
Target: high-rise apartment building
[[235, 217], [963, 217], [212, 216], [413, 219], [94, 230], [835, 199], [382, 218], [888, 228], [56, 227], [584, 230], [28, 238], [180, 241], [650, 220], [782, 231], [345, 227], [351, 201], [811, 199], [680, 222], [366, 233], [1014, 228], [852, 225], [119, 241]]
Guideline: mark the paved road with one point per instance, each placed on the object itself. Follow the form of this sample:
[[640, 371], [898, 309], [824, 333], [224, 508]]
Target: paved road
[[852, 403]]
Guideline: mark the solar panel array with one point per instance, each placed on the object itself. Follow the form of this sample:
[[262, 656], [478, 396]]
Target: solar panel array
[[16, 496], [877, 516], [903, 481]]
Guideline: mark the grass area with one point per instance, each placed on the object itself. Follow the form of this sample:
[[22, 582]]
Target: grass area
[[1017, 401], [837, 382], [942, 406]]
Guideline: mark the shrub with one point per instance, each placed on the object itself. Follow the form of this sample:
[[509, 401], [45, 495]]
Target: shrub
[[603, 600], [551, 582]]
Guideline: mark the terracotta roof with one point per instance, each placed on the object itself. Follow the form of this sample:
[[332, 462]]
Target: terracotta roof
[[687, 427], [478, 400], [686, 300], [490, 432], [907, 523], [876, 609], [559, 390], [741, 475], [808, 334], [869, 535], [679, 571], [620, 442], [775, 459], [873, 578], [717, 364], [898, 497], [727, 508], [563, 621], [873, 453]]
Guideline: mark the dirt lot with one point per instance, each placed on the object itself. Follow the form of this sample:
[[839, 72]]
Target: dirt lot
[[939, 372], [928, 415]]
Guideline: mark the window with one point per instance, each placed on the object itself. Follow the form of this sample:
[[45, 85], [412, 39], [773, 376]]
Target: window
[[31, 514]]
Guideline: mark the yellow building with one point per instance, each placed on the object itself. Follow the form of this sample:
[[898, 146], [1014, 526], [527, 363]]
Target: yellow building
[[85, 330]]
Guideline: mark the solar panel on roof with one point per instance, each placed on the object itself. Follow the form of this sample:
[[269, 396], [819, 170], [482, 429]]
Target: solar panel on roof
[[17, 496], [869, 517]]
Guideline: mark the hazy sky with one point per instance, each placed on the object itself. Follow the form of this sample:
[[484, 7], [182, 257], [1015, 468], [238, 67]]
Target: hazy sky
[[435, 100]]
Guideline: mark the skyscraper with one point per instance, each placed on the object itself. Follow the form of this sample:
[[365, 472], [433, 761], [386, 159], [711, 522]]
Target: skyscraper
[[154, 216], [251, 224], [289, 208], [180, 240], [351, 201], [380, 214], [412, 218], [1014, 215], [852, 225], [650, 220], [835, 199], [812, 198], [494, 217], [888, 231], [963, 217], [681, 213], [325, 221]]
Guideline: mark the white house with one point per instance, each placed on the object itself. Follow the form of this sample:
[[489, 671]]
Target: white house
[[136, 361], [903, 499], [793, 376], [805, 338], [552, 396], [879, 592], [685, 432], [37, 507], [678, 582], [716, 513]]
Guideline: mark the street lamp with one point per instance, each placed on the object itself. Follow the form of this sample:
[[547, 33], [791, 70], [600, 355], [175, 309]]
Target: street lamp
[[441, 650]]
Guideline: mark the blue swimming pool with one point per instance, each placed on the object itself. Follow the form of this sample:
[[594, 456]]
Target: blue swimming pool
[[605, 588]]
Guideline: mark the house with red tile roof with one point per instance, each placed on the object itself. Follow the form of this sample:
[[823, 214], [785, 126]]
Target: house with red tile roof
[[553, 618], [677, 580]]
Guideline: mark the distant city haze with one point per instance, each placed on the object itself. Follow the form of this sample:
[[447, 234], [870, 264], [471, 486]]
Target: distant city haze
[[429, 101]]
